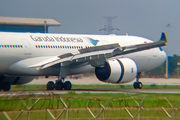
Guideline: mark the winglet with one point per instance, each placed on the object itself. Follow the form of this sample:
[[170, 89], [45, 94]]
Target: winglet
[[163, 37]]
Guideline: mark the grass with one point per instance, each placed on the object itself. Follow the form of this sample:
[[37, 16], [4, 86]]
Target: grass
[[77, 103], [92, 87], [84, 100]]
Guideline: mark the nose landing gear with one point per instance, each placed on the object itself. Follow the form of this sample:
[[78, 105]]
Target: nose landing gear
[[137, 84]]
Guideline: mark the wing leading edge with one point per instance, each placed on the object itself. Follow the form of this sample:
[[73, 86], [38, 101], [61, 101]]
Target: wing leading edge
[[101, 53]]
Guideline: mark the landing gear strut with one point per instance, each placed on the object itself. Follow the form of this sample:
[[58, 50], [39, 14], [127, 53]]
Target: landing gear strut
[[137, 84], [59, 85]]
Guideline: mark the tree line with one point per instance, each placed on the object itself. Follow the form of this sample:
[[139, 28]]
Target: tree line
[[160, 72]]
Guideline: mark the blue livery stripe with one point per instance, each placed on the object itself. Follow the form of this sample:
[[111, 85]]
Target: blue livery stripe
[[122, 72]]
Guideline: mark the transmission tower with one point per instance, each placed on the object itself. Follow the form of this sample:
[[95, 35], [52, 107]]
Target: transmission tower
[[109, 28]]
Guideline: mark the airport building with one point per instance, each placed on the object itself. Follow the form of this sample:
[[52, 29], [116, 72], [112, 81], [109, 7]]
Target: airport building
[[12, 24]]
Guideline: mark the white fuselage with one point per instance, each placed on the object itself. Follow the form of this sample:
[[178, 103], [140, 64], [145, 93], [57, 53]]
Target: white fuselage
[[16, 47]]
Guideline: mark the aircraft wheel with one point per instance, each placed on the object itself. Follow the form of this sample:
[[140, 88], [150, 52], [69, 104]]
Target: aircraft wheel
[[67, 85], [59, 85], [6, 86], [140, 85], [135, 85], [50, 85]]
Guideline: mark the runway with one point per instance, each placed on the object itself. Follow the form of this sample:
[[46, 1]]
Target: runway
[[92, 80]]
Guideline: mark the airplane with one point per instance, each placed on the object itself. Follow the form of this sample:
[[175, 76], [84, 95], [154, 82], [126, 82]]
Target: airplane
[[114, 59]]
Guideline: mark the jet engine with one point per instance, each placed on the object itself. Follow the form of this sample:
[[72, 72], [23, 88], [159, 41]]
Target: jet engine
[[117, 71]]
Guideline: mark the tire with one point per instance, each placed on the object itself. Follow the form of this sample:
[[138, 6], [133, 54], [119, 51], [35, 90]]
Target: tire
[[59, 85], [50, 85], [135, 85], [67, 85], [140, 85], [6, 86]]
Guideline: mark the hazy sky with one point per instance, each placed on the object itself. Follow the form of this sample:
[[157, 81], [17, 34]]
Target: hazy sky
[[147, 18]]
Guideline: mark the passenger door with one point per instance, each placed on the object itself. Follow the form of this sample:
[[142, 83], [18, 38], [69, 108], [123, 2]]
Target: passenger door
[[26, 46]]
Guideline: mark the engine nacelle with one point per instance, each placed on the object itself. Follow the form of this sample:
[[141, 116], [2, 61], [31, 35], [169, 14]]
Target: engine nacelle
[[117, 71]]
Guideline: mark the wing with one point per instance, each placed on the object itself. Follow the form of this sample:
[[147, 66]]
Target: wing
[[140, 47], [98, 54]]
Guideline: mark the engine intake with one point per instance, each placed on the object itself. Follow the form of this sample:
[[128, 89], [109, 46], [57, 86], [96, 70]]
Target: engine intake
[[117, 71]]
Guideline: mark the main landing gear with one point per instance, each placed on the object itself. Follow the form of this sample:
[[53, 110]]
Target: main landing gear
[[59, 85], [137, 84]]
